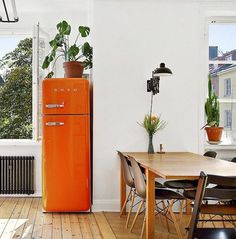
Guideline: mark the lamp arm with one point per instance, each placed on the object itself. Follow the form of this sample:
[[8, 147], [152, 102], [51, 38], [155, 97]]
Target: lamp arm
[[151, 105]]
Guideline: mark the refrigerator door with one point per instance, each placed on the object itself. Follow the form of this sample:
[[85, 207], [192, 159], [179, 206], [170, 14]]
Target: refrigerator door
[[65, 96], [66, 163]]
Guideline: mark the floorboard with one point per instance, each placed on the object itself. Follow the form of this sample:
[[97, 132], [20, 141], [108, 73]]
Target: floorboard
[[23, 218]]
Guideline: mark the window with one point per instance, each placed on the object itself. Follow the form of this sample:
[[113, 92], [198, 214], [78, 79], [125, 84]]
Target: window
[[16, 87], [222, 68], [227, 87], [228, 119]]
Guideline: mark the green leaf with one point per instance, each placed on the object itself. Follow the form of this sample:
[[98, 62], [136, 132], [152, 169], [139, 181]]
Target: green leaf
[[46, 62], [64, 28], [84, 31], [73, 51], [50, 74], [86, 49]]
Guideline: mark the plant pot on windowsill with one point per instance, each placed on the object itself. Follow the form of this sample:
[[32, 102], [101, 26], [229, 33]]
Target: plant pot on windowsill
[[214, 134], [73, 69]]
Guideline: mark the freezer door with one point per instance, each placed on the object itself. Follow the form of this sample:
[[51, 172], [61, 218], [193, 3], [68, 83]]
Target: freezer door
[[66, 163], [65, 96]]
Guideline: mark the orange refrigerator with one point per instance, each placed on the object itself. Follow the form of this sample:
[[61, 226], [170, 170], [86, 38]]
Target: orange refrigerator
[[66, 145]]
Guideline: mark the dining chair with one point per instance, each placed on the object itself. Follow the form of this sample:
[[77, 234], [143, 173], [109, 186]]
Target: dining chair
[[225, 194], [233, 160], [160, 194], [187, 184], [129, 180]]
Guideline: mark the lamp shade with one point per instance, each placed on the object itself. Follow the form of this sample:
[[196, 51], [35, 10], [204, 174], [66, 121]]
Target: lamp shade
[[162, 71]]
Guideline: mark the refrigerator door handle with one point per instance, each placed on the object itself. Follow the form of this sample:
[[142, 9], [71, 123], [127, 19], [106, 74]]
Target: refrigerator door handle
[[52, 106], [54, 123]]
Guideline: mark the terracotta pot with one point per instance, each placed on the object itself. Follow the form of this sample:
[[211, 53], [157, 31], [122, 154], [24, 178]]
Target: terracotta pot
[[214, 133], [73, 69]]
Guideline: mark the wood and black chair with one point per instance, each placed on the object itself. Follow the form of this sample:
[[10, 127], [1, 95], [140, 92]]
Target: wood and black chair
[[187, 184], [161, 194], [224, 208]]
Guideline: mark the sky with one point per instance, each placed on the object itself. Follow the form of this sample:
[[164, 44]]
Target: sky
[[7, 44], [223, 36]]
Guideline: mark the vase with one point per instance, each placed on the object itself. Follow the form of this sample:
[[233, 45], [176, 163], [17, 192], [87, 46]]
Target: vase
[[150, 145]]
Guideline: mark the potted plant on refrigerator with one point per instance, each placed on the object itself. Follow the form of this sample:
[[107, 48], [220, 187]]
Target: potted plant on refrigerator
[[212, 110], [77, 57]]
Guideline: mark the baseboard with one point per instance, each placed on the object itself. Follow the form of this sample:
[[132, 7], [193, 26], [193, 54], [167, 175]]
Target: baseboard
[[112, 205], [21, 195]]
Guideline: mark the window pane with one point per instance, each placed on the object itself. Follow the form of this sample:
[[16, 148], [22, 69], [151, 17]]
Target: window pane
[[15, 88], [222, 45]]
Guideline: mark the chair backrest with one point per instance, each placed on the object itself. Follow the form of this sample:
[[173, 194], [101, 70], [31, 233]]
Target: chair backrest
[[139, 181], [129, 180], [233, 160], [211, 154], [197, 204], [224, 191]]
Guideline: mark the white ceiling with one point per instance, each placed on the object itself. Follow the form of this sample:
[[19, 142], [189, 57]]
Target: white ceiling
[[46, 6]]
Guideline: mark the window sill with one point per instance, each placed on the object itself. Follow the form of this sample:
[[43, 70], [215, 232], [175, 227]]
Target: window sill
[[19, 142], [221, 146]]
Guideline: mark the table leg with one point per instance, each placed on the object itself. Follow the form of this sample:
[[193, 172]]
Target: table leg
[[122, 189], [150, 205]]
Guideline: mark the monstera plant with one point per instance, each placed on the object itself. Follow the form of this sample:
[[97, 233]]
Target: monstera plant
[[77, 55]]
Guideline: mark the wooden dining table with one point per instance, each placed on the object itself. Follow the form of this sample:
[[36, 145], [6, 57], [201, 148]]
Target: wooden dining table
[[172, 165]]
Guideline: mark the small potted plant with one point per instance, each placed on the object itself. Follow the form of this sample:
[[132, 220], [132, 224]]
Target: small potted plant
[[77, 56], [152, 124], [212, 110]]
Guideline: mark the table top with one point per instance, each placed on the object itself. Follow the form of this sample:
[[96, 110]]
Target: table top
[[183, 165]]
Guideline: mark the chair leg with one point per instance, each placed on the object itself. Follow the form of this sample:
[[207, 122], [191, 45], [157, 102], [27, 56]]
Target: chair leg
[[167, 222], [136, 216], [174, 220], [126, 200], [143, 226], [130, 209], [181, 210]]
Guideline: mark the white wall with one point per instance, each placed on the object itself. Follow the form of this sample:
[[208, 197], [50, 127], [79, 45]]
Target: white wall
[[131, 38]]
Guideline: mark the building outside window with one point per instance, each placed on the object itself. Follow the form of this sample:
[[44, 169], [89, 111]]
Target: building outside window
[[228, 119], [227, 87], [222, 69]]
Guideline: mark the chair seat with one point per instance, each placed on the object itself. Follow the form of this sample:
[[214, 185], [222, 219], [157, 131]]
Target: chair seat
[[215, 233], [165, 194], [181, 184], [159, 185], [190, 194]]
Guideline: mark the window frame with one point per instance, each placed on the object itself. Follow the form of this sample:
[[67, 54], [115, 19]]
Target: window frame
[[227, 20], [27, 33]]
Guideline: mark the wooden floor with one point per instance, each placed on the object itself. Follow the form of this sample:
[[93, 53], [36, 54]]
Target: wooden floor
[[23, 218]]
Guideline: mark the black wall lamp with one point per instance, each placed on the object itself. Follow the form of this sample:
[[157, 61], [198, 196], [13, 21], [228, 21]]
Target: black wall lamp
[[7, 20], [154, 83]]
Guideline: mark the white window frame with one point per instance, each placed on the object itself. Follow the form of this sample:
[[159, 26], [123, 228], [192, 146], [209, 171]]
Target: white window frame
[[26, 33], [210, 19]]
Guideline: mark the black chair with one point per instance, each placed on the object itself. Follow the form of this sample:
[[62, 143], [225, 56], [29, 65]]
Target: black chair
[[187, 184], [233, 160], [224, 207]]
